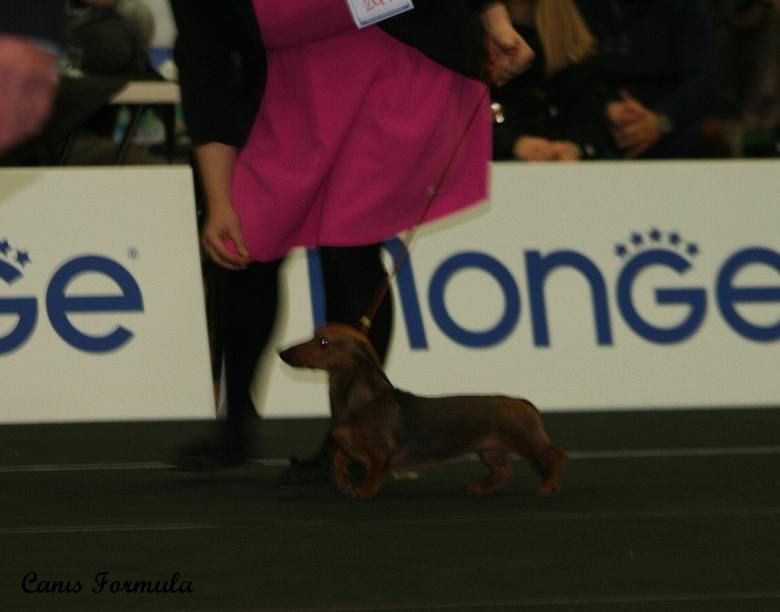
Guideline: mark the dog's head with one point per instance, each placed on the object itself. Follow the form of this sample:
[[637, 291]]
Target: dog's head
[[334, 347]]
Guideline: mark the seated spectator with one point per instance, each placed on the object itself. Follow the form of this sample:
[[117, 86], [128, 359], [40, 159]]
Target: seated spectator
[[660, 63], [112, 37], [105, 46], [555, 110], [757, 24], [745, 119]]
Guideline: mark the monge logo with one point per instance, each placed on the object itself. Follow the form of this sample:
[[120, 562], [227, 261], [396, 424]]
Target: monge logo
[[650, 250], [23, 310]]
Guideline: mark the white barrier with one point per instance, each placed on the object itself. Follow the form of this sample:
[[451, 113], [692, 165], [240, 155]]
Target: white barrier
[[101, 299], [592, 286]]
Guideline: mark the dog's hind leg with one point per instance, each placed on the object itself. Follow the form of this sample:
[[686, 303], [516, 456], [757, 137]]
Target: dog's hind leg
[[527, 438], [548, 464], [500, 472]]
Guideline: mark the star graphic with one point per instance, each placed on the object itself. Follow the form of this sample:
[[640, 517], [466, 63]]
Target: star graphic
[[5, 247], [620, 250], [692, 249], [655, 235], [674, 238], [22, 257], [636, 239]]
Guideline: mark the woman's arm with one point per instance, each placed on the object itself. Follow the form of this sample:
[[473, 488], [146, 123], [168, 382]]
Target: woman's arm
[[221, 62], [209, 35]]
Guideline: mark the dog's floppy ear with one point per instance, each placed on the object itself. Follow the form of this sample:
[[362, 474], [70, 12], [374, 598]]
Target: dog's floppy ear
[[365, 346], [370, 355]]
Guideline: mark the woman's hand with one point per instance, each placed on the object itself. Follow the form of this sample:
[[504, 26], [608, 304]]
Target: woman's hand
[[635, 127], [223, 240], [221, 236], [565, 150], [534, 148], [509, 54]]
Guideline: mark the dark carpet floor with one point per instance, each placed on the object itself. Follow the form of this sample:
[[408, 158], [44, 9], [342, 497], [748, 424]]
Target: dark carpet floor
[[675, 511]]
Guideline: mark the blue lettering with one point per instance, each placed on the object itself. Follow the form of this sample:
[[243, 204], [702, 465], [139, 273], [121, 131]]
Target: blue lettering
[[316, 287], [25, 309], [538, 269], [407, 290], [696, 299], [728, 295], [480, 261], [58, 305]]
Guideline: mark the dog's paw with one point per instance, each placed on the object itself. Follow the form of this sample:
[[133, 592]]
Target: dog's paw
[[363, 491], [343, 484], [476, 488], [548, 490]]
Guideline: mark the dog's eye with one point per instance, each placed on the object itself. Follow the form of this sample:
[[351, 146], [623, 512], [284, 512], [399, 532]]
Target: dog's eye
[[323, 341]]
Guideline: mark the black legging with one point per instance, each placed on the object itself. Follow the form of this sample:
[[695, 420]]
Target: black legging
[[247, 303]]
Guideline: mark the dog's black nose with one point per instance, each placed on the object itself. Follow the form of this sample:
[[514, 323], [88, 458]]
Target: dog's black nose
[[284, 355]]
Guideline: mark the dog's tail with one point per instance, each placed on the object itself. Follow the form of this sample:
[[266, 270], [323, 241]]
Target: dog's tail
[[532, 406]]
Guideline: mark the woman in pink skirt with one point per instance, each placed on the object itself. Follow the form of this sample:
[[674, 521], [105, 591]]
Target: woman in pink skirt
[[354, 130]]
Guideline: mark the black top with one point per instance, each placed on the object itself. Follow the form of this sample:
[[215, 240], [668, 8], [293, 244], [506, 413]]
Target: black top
[[221, 62], [447, 31], [568, 105], [41, 19], [221, 58]]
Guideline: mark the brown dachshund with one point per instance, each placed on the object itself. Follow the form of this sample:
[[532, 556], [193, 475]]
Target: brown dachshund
[[382, 427]]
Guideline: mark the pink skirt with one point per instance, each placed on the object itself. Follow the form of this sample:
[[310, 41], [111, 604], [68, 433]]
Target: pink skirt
[[354, 132]]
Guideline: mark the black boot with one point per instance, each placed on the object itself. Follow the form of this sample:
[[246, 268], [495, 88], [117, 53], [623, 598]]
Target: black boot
[[226, 448]]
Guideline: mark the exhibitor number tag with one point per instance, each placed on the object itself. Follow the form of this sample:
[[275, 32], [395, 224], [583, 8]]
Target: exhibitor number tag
[[369, 12]]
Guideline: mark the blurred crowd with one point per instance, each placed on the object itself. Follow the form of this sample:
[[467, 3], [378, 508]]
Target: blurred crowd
[[102, 45], [620, 79], [612, 79]]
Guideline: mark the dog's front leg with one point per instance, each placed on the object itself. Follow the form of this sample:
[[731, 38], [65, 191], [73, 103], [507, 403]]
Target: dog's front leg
[[373, 457], [341, 463], [376, 466]]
